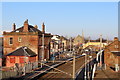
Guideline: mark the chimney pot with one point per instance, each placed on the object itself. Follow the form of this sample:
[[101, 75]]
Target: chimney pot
[[116, 39], [43, 28]]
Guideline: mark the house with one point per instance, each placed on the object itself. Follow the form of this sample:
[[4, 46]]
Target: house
[[54, 46], [65, 43], [55, 43], [30, 36], [112, 54], [59, 43], [20, 56]]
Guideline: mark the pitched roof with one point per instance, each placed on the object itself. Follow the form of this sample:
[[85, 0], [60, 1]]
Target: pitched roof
[[112, 43], [22, 51], [30, 29]]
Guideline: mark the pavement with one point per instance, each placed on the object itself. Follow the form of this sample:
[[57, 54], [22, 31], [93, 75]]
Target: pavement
[[108, 73]]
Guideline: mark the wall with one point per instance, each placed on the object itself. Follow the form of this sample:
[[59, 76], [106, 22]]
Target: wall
[[110, 58], [18, 60], [30, 41]]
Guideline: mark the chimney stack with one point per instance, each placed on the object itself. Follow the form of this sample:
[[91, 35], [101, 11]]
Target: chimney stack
[[14, 26], [43, 28], [116, 39], [25, 29], [36, 26]]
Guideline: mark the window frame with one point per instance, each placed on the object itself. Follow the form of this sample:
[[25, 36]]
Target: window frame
[[11, 40], [12, 59], [116, 47], [19, 39]]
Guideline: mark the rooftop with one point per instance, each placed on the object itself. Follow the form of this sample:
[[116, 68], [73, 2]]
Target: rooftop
[[22, 51]]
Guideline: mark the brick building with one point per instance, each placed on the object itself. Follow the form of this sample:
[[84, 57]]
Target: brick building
[[21, 55], [112, 54], [29, 36]]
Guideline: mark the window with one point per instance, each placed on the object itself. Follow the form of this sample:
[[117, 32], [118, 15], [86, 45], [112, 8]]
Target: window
[[22, 60], [12, 59], [19, 39], [116, 46], [11, 40]]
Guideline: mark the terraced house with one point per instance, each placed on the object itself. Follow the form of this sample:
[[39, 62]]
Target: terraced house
[[27, 37]]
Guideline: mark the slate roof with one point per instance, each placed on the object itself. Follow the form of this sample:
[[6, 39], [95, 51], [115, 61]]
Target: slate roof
[[22, 51], [30, 29]]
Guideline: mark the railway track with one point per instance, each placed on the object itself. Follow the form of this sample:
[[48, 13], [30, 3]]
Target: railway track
[[66, 68]]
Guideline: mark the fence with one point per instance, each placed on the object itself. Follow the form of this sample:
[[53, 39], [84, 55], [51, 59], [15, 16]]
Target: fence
[[19, 70]]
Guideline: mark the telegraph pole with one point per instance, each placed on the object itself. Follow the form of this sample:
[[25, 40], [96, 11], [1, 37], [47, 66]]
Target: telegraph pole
[[73, 64], [100, 50], [88, 58], [42, 50], [85, 76], [70, 44]]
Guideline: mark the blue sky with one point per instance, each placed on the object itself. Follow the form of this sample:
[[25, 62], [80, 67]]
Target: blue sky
[[64, 18]]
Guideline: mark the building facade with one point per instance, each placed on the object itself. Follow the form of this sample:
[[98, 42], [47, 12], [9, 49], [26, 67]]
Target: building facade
[[65, 43], [20, 56], [78, 41], [112, 54], [29, 36], [97, 44]]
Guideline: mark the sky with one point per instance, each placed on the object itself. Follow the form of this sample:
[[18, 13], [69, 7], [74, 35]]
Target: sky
[[64, 18]]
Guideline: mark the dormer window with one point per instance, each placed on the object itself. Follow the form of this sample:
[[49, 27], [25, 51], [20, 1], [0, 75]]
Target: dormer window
[[10, 40], [19, 39]]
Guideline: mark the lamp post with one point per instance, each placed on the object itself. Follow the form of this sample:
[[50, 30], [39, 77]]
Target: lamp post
[[88, 66], [42, 50], [85, 73], [85, 66], [53, 55], [70, 44], [100, 51], [73, 64], [91, 60]]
